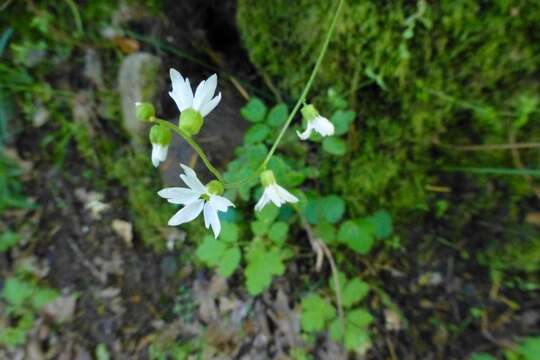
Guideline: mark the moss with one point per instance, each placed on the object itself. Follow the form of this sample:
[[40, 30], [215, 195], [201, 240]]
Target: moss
[[421, 76]]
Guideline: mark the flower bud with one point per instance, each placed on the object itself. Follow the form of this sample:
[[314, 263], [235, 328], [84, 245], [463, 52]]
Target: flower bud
[[144, 111], [191, 121], [215, 187], [267, 178], [309, 112], [160, 135]]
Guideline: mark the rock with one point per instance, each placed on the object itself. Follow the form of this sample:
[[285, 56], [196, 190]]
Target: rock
[[139, 79]]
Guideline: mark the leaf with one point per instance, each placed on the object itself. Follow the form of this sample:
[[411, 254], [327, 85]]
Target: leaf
[[382, 223], [357, 237], [8, 240], [254, 110], [356, 336], [354, 291], [316, 312], [359, 317], [229, 232], [17, 292], [326, 232], [268, 214], [333, 208], [260, 227], [229, 262], [278, 232], [342, 120], [482, 356], [334, 146], [102, 353], [277, 115], [530, 349], [262, 264], [210, 251], [43, 296], [257, 134]]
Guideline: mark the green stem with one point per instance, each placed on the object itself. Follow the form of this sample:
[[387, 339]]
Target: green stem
[[194, 145], [306, 88]]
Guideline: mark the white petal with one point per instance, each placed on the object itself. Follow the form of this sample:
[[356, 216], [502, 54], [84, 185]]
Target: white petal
[[156, 151], [199, 95], [210, 105], [179, 195], [188, 94], [163, 152], [211, 218], [191, 180], [220, 203], [210, 88], [323, 126], [187, 213], [181, 91], [262, 202], [307, 133], [274, 195], [285, 195]]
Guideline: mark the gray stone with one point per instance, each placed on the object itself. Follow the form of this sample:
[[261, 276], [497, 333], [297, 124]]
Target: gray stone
[[139, 79]]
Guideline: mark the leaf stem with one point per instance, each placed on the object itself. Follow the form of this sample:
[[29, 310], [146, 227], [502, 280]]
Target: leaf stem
[[194, 145], [307, 87]]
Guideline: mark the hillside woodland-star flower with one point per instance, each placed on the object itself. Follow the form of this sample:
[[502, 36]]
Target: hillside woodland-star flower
[[197, 198], [160, 138], [315, 122], [273, 192], [193, 107]]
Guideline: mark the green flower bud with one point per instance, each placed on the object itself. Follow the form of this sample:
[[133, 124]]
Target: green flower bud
[[160, 135], [309, 112], [267, 178], [191, 121], [144, 111], [215, 187]]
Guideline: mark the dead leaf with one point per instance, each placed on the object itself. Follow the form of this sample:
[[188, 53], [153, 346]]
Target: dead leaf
[[92, 201], [533, 218], [123, 229], [62, 309], [126, 45]]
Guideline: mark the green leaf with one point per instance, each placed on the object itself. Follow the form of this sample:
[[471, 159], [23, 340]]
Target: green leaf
[[260, 227], [210, 251], [342, 120], [354, 291], [229, 232], [326, 232], [277, 115], [229, 262], [262, 265], [482, 356], [254, 110], [356, 236], [313, 210], [334, 146], [17, 292], [316, 312], [43, 296], [102, 353], [278, 232], [268, 214], [257, 133], [530, 349], [333, 208], [356, 336], [382, 223], [8, 240], [359, 317]]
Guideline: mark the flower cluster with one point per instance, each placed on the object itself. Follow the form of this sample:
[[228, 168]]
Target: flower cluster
[[208, 199]]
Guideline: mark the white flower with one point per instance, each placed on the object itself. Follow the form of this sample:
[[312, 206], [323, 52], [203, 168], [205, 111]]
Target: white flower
[[315, 122], [203, 101], [160, 138], [273, 192], [159, 153], [197, 198]]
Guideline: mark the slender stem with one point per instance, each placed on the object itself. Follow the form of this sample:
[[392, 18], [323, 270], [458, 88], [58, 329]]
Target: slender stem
[[193, 144], [306, 88]]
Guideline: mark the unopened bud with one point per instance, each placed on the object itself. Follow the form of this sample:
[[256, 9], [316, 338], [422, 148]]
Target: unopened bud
[[160, 135], [144, 111]]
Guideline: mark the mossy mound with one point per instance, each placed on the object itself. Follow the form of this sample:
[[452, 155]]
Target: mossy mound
[[421, 76]]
